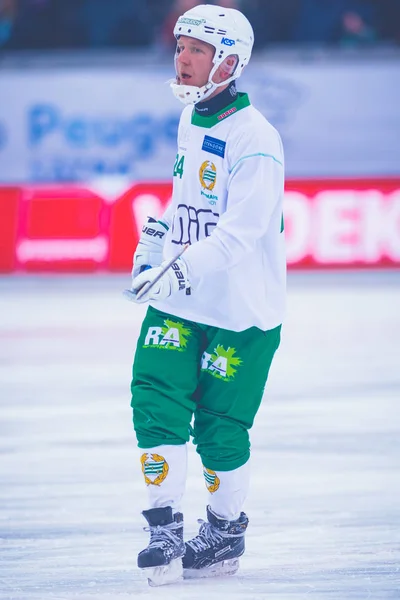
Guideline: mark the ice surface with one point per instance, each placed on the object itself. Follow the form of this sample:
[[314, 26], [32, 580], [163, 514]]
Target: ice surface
[[324, 505]]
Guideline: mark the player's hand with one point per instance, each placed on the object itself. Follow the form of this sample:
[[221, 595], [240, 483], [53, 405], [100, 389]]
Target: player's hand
[[149, 250], [174, 279]]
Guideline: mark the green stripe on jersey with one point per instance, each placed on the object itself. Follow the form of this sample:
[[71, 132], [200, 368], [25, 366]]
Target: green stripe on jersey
[[241, 101], [252, 156]]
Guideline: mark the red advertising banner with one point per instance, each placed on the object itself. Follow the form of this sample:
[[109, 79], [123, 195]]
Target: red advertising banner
[[9, 206], [328, 224], [129, 212], [62, 228], [350, 223]]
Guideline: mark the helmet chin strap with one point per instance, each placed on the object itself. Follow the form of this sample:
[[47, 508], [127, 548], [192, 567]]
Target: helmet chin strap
[[191, 94]]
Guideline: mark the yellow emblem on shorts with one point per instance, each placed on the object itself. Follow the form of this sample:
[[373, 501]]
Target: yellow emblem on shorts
[[208, 175], [155, 468], [212, 480]]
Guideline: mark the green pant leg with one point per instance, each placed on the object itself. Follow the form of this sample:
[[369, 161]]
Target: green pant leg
[[233, 375], [164, 377]]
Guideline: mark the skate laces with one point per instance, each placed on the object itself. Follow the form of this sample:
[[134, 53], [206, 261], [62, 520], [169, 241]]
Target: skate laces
[[160, 534], [209, 535]]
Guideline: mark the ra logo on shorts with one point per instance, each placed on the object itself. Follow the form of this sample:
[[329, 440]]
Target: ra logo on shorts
[[221, 363], [173, 336], [211, 479], [155, 468]]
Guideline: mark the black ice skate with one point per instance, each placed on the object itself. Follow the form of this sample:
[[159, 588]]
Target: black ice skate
[[217, 547], [162, 558]]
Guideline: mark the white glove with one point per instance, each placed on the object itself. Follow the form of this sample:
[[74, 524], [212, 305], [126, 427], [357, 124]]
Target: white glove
[[149, 250], [174, 279]]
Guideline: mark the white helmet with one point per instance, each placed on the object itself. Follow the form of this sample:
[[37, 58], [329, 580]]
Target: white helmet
[[228, 30]]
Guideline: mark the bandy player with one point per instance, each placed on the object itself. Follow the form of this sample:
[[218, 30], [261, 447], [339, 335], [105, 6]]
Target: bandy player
[[215, 312]]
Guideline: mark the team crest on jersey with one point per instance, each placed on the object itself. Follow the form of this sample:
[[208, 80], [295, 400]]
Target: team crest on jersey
[[208, 175], [208, 179], [155, 468], [211, 479]]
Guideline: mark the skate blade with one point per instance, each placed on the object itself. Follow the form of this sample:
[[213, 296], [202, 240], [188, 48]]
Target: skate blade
[[225, 567], [165, 574]]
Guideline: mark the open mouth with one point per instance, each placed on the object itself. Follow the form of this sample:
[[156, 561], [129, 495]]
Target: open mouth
[[183, 78]]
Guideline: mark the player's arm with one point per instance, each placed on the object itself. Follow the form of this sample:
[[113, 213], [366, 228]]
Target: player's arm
[[167, 215], [254, 190], [149, 251], [255, 187]]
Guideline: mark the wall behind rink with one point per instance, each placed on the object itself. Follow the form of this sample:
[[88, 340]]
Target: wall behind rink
[[337, 118], [328, 224]]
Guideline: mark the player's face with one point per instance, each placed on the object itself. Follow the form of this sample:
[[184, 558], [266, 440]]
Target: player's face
[[193, 61]]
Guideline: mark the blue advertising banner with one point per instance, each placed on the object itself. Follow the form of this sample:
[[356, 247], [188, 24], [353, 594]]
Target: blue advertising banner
[[336, 120]]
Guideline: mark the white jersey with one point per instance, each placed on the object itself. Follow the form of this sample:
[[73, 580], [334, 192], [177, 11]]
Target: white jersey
[[227, 204]]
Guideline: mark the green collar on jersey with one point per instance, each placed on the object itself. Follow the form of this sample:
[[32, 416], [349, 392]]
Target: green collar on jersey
[[241, 101]]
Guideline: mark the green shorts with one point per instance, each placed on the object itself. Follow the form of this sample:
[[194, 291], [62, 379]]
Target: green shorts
[[184, 370]]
